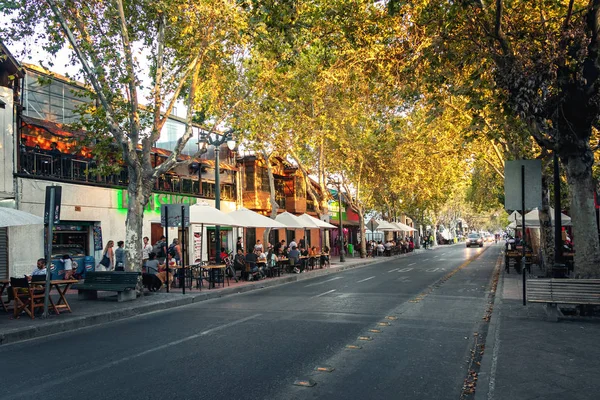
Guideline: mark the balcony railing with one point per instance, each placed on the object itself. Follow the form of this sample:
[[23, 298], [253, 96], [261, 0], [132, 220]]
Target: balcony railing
[[68, 168]]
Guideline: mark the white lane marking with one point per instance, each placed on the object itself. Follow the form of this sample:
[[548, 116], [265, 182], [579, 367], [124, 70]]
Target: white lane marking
[[425, 259], [328, 280], [494, 362], [405, 269], [411, 264], [392, 270], [366, 279], [323, 294], [57, 382], [435, 269]]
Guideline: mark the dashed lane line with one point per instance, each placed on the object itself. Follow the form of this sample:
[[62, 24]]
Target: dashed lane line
[[392, 270], [328, 280], [323, 294], [366, 279]]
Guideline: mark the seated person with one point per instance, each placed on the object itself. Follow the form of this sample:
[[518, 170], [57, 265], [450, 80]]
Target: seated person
[[223, 255], [41, 268], [162, 274], [325, 256], [294, 256], [239, 261], [152, 265], [313, 252], [252, 258], [262, 258]]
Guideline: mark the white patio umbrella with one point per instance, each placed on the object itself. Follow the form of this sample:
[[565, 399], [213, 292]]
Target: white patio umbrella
[[403, 227], [12, 217], [318, 223], [381, 225], [514, 216], [532, 219], [203, 213], [250, 219], [293, 222]]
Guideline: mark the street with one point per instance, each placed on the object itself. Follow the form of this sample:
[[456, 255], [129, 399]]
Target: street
[[419, 315]]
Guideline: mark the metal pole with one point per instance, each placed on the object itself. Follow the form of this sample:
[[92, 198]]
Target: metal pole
[[217, 204], [167, 247], [182, 270], [342, 253], [523, 219], [557, 218], [49, 252]]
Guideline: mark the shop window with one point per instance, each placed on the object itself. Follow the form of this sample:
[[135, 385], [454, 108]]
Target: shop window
[[70, 239]]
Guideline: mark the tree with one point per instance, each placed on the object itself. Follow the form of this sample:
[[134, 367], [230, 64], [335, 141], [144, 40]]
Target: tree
[[192, 49], [543, 59]]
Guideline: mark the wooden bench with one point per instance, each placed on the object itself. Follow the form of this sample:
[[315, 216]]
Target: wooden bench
[[124, 283], [563, 291]]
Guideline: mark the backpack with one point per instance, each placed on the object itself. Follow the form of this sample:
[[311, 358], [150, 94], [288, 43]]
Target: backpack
[[172, 251], [158, 249]]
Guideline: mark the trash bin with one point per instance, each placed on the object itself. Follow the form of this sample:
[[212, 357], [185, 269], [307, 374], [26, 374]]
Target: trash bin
[[89, 265], [350, 249]]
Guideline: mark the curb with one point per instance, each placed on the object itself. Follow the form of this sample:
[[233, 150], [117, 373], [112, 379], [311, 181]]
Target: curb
[[18, 335], [486, 379]]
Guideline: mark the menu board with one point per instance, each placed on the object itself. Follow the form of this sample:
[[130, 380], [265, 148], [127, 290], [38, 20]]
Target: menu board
[[97, 229]]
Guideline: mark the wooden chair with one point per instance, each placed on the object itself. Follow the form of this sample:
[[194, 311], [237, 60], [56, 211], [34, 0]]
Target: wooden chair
[[249, 267], [26, 297]]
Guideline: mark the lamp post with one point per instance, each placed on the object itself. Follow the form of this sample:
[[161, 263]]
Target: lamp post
[[341, 235], [217, 140]]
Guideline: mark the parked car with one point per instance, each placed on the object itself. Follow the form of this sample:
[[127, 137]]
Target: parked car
[[474, 239]]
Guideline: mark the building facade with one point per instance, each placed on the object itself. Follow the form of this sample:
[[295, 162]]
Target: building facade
[[40, 149]]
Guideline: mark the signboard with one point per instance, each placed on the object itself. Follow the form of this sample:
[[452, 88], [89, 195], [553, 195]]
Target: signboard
[[155, 202], [57, 192], [171, 215], [513, 184], [197, 238], [97, 231]]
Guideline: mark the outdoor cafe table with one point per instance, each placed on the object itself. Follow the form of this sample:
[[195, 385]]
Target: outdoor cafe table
[[62, 302], [211, 273], [3, 284], [283, 262]]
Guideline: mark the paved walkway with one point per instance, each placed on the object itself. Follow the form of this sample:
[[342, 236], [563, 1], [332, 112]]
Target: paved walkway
[[106, 308], [529, 357]]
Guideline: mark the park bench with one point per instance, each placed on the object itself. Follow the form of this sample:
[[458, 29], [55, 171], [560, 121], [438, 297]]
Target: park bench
[[563, 291], [124, 283]]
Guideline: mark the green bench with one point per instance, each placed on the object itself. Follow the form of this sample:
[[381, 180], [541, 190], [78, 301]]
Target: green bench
[[124, 283]]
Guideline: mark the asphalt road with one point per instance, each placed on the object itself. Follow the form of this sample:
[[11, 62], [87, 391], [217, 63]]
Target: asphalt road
[[255, 345]]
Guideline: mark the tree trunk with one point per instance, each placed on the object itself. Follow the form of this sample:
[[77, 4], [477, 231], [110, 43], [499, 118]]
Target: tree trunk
[[272, 197], [546, 231], [136, 203], [583, 214], [361, 226]]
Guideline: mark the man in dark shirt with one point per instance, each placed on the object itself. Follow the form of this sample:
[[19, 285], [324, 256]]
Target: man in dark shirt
[[294, 255], [251, 258]]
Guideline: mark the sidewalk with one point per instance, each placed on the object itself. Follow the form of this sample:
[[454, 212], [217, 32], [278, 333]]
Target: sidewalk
[[528, 357], [106, 308]]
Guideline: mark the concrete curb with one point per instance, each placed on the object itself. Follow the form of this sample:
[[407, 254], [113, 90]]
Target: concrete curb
[[486, 378], [28, 333]]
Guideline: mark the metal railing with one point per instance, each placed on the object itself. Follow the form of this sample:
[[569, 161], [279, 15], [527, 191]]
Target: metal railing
[[75, 169]]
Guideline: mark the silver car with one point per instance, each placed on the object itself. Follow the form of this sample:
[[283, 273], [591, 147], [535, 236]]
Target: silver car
[[474, 240]]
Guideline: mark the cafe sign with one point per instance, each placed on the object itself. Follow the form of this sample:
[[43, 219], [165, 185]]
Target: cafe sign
[[156, 201]]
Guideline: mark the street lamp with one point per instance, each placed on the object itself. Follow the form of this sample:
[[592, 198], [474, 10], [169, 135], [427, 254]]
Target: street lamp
[[341, 235], [216, 140]]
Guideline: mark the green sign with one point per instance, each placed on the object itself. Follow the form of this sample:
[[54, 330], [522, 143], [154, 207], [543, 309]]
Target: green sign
[[156, 200], [334, 211]]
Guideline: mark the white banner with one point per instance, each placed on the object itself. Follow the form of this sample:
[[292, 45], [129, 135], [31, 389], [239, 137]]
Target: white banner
[[197, 245]]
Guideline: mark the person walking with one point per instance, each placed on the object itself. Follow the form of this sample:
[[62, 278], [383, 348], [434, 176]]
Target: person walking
[[160, 248], [108, 258], [120, 256], [175, 251]]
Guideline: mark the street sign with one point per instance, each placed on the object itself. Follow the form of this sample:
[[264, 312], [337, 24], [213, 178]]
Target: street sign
[[55, 191], [171, 215], [513, 171]]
